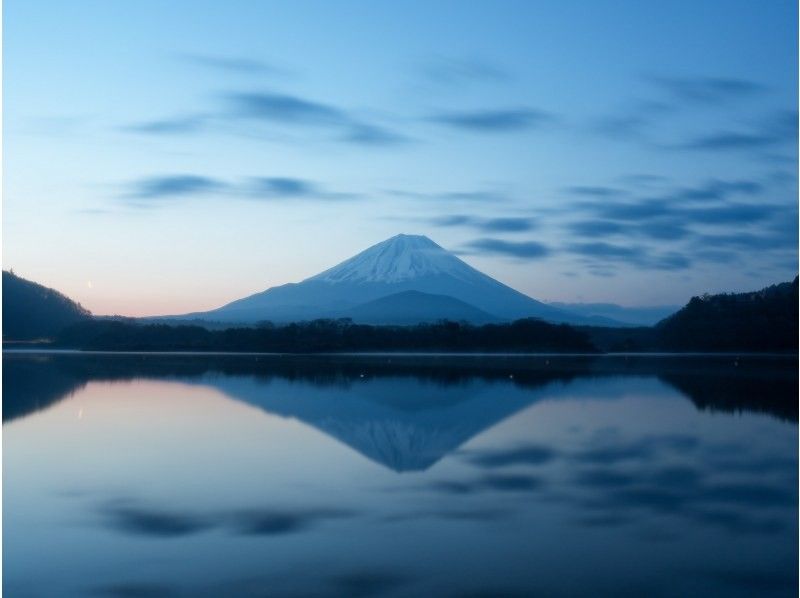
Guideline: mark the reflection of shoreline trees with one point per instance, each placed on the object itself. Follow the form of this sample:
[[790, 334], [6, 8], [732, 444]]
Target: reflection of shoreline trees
[[723, 383]]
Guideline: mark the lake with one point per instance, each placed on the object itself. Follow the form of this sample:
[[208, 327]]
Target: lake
[[219, 475]]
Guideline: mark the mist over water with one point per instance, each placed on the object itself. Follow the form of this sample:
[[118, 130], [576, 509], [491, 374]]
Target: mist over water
[[199, 475]]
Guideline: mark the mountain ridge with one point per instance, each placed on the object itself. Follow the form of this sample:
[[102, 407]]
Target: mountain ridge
[[33, 311]]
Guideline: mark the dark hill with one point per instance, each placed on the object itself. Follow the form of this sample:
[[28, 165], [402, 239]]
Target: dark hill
[[32, 311], [764, 320]]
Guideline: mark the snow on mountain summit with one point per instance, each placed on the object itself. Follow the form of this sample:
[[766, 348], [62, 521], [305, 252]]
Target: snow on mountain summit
[[398, 259]]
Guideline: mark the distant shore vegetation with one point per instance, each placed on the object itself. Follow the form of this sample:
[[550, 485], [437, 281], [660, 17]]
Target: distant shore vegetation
[[760, 321]]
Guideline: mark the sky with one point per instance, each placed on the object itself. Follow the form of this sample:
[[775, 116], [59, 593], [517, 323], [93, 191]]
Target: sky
[[169, 157]]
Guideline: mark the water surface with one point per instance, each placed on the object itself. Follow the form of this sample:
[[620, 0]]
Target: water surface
[[156, 475]]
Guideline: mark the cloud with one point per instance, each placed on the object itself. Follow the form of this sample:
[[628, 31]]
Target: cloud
[[717, 221], [594, 191], [739, 213], [720, 189], [523, 250], [606, 250], [779, 129], [746, 241], [455, 220], [638, 120], [669, 211], [632, 122], [634, 255], [365, 134], [284, 187], [488, 196], [731, 140], [665, 230], [175, 185], [708, 90], [457, 72], [188, 185], [620, 126], [293, 188], [170, 126], [478, 196], [235, 64], [277, 109], [643, 178], [283, 108], [596, 228], [292, 110], [507, 225], [494, 121]]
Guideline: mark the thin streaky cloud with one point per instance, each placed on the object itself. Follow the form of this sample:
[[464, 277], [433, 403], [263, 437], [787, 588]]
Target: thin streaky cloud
[[489, 225], [521, 250], [283, 108], [235, 64], [170, 126], [143, 192], [457, 72], [708, 90], [494, 120], [174, 186]]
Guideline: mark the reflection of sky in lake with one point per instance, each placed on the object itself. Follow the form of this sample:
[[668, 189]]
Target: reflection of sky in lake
[[235, 485]]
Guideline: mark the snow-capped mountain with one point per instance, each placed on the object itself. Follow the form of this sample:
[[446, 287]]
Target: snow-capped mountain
[[399, 259], [400, 264]]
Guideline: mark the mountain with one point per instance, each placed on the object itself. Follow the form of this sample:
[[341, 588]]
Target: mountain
[[400, 264], [32, 311], [610, 314], [412, 307], [765, 320]]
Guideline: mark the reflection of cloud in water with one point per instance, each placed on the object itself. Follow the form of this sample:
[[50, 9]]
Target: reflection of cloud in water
[[366, 582], [133, 590], [617, 481], [135, 519]]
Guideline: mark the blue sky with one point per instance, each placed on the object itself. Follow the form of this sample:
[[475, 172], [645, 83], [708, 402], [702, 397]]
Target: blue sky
[[165, 157]]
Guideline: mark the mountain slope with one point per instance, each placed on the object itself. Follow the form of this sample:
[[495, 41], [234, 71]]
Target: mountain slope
[[402, 263], [765, 320], [411, 307], [32, 311]]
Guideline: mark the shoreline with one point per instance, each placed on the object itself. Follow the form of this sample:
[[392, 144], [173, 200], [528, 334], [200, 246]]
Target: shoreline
[[482, 354]]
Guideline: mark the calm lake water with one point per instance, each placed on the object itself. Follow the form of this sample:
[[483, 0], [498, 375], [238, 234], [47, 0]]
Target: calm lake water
[[156, 475]]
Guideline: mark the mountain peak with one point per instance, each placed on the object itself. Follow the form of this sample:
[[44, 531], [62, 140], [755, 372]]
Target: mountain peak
[[446, 286], [397, 259], [417, 240]]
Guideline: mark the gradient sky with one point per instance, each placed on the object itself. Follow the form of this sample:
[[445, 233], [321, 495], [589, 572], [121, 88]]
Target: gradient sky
[[168, 157]]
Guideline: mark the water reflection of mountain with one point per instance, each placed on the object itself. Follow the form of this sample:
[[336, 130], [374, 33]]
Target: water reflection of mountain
[[405, 412]]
